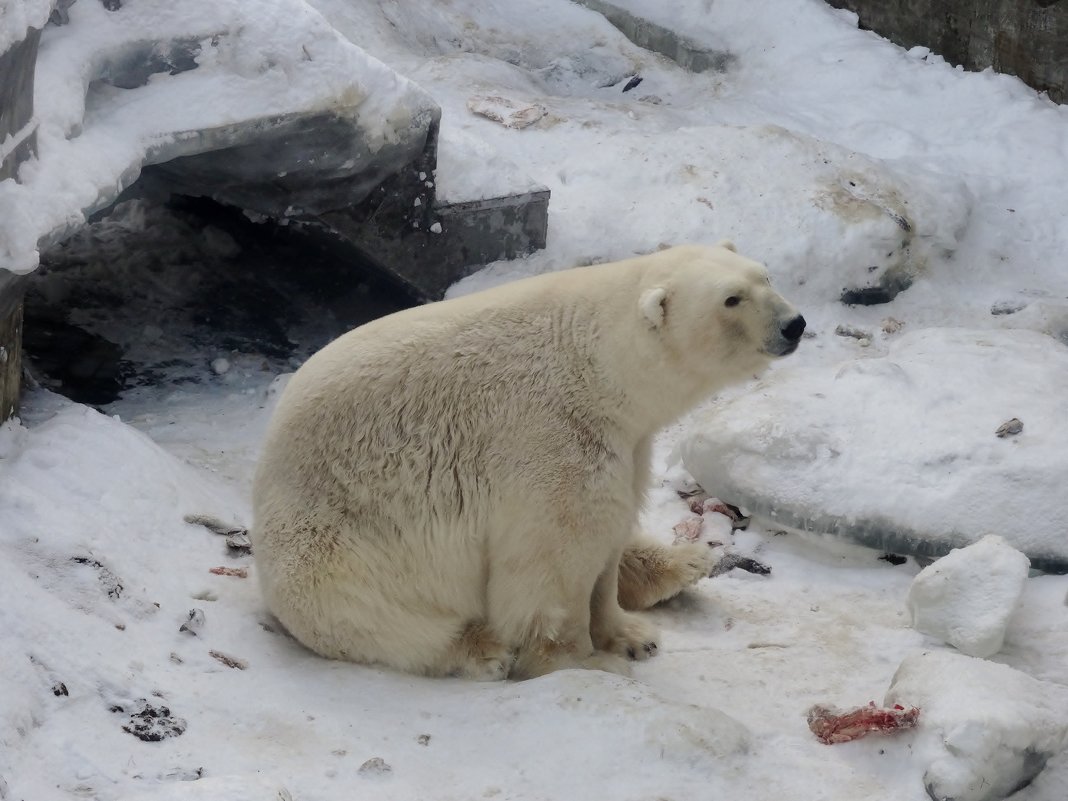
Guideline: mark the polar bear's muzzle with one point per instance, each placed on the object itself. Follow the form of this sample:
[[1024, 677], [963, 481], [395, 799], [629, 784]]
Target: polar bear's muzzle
[[789, 337]]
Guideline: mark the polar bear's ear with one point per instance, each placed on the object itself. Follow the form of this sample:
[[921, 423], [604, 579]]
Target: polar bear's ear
[[726, 244], [651, 305]]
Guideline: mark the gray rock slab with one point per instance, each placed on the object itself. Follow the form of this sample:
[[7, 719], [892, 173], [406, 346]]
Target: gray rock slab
[[636, 25]]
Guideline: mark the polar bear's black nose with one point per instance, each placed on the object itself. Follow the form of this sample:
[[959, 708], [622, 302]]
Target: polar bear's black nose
[[795, 328]]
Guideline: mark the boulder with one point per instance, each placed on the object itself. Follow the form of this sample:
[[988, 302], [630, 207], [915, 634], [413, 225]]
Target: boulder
[[901, 452], [967, 597], [985, 729]]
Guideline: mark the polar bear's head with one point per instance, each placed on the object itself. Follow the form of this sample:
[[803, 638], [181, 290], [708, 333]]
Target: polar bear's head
[[716, 313]]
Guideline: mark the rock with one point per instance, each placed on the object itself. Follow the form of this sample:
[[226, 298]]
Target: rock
[[852, 332], [967, 597], [506, 111], [193, 623], [985, 730], [888, 453], [646, 32], [1010, 428], [375, 766]]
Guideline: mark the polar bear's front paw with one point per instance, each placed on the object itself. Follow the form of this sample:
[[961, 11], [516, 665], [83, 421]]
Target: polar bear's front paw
[[689, 563], [630, 637]]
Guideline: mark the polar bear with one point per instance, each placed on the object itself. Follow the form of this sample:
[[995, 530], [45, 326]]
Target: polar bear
[[454, 489]]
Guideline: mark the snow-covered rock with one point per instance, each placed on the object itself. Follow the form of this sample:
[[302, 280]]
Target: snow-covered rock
[[900, 452], [17, 16], [967, 597], [319, 123], [986, 729]]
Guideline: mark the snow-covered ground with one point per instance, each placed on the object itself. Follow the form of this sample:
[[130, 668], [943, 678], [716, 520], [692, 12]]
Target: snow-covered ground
[[98, 571]]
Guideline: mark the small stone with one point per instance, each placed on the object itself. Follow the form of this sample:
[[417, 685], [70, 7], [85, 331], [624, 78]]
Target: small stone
[[423, 739], [239, 543], [1007, 307], [852, 332], [220, 366], [375, 766], [193, 623], [1010, 428], [182, 774], [229, 661], [151, 723], [891, 325], [435, 228]]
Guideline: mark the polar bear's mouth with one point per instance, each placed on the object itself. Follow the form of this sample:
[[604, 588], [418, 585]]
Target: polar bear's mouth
[[787, 348]]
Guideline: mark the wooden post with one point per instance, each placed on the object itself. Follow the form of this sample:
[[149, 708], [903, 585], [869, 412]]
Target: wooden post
[[18, 129], [10, 359]]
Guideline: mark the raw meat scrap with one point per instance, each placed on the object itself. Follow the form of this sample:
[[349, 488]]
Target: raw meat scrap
[[236, 572], [688, 530], [831, 726]]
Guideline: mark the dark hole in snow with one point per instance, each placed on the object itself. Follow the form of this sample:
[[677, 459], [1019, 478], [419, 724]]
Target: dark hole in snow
[[161, 293]]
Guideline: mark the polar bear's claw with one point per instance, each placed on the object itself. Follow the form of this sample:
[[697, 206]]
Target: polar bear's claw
[[481, 656], [631, 638]]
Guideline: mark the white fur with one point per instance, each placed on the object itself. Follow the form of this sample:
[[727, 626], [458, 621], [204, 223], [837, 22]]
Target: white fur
[[448, 490]]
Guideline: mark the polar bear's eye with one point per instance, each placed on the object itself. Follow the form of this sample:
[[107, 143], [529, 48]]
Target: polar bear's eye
[[733, 300]]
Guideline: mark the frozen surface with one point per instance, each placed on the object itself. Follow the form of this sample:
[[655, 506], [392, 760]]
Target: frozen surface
[[967, 597], [899, 452], [828, 625], [985, 729]]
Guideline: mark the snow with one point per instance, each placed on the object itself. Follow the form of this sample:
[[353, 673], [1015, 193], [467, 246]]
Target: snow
[[987, 729], [981, 158], [967, 597], [806, 445]]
